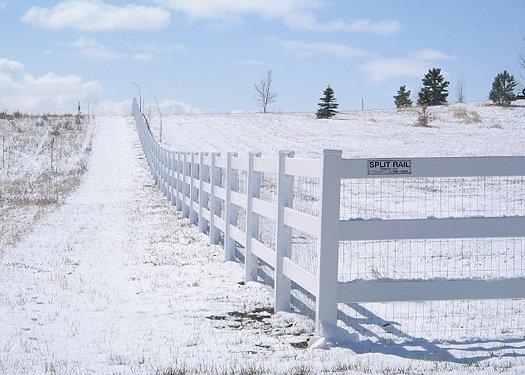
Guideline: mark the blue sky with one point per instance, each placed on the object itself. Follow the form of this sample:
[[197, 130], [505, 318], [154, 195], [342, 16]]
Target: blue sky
[[206, 55]]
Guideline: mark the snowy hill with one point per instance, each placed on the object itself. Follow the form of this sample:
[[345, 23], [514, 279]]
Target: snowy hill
[[456, 130]]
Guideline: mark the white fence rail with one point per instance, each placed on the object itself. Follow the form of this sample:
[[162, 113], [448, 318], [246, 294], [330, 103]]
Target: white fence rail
[[203, 186]]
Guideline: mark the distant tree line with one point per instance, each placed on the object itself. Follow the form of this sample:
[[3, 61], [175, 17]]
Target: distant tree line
[[434, 90]]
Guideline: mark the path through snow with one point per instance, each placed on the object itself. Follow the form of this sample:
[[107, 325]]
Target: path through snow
[[115, 280]]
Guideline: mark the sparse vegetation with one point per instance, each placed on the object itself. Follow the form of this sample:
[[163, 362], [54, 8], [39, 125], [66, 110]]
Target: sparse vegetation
[[264, 91], [460, 89], [42, 158], [466, 116], [424, 118]]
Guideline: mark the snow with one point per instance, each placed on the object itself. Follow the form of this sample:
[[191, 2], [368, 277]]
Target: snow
[[41, 158], [370, 134], [115, 281]]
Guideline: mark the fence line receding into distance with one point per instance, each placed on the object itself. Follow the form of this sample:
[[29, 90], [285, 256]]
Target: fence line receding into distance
[[309, 220]]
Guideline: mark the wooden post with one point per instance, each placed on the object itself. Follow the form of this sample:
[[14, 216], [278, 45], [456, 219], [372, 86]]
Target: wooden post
[[229, 244], [215, 206], [328, 241], [252, 220], [283, 240]]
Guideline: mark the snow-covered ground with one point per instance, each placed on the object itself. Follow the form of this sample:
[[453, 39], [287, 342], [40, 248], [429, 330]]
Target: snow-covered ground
[[114, 281], [42, 158], [456, 130]]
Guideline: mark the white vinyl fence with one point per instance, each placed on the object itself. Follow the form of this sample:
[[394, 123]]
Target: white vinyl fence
[[232, 199]]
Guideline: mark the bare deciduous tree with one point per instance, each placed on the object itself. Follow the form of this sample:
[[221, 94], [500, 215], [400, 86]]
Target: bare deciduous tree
[[264, 91], [460, 89]]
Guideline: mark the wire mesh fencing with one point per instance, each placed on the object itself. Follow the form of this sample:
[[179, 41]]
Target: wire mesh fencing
[[424, 259]]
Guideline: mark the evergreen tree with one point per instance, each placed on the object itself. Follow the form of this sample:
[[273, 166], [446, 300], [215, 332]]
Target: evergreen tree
[[434, 90], [328, 104], [402, 99], [503, 87]]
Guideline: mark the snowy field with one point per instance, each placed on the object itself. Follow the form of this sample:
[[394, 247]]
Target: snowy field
[[456, 130], [42, 158], [115, 281]]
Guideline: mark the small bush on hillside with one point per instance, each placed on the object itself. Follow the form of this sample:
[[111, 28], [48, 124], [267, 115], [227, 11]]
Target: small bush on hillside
[[424, 118], [466, 116]]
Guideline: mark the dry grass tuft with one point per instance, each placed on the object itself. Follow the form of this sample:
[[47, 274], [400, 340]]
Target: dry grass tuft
[[466, 116]]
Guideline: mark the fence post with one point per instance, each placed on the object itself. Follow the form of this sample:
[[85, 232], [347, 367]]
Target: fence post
[[169, 171], [215, 207], [158, 165], [185, 208], [193, 170], [162, 171], [229, 245], [202, 221], [173, 188], [178, 202], [154, 163], [328, 241], [252, 221], [165, 171], [283, 241]]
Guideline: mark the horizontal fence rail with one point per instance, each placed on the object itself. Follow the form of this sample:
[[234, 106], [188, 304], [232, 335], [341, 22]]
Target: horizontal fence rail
[[232, 198]]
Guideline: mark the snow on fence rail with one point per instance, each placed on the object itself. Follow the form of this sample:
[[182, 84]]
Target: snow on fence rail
[[230, 198]]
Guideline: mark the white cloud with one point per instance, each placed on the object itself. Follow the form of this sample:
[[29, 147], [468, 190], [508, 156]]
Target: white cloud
[[306, 21], [174, 107], [251, 62], [415, 65], [92, 49], [385, 27], [430, 54], [309, 49], [111, 108], [48, 93], [297, 14], [148, 52], [96, 15], [228, 8], [167, 107], [143, 56]]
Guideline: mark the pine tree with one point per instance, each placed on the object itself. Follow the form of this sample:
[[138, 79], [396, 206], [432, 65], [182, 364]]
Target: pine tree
[[503, 87], [328, 104], [402, 99], [434, 90]]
